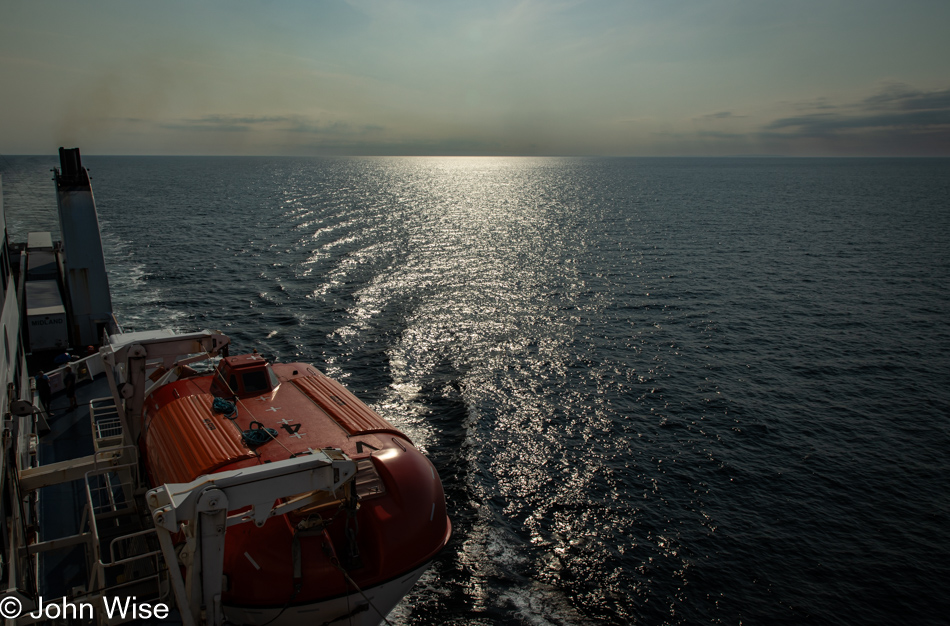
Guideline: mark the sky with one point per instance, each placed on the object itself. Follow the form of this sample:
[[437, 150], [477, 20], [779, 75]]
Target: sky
[[479, 77]]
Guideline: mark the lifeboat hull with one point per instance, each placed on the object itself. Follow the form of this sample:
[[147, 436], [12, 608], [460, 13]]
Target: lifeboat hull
[[348, 556], [366, 608]]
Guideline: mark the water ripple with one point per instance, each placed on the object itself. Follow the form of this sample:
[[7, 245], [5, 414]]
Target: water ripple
[[657, 391]]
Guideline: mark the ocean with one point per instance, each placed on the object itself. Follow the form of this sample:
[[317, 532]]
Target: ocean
[[658, 391]]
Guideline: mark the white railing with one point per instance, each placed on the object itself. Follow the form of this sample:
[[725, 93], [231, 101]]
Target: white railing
[[123, 562], [106, 424]]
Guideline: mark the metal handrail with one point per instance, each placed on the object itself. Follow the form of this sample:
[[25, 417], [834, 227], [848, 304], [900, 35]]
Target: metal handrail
[[104, 418], [93, 526], [141, 533]]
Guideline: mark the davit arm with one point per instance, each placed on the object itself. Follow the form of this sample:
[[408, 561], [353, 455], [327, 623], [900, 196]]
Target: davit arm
[[126, 357], [203, 506]]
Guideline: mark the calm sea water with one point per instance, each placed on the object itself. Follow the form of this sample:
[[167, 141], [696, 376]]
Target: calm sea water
[[663, 391]]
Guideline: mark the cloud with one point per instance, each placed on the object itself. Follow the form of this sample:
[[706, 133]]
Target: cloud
[[827, 124], [814, 105], [895, 120], [896, 109], [719, 135], [722, 115], [266, 124], [288, 135], [898, 96], [224, 123], [333, 128]]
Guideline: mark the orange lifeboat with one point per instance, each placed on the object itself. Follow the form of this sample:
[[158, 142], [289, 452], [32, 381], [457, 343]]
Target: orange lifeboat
[[351, 555]]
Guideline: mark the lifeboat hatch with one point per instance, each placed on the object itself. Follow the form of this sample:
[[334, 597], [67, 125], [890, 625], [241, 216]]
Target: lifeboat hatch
[[243, 376]]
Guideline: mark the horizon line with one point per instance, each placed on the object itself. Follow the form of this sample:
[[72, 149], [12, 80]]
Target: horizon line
[[498, 156]]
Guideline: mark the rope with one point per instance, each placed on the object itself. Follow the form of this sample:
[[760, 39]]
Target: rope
[[220, 405], [286, 604], [336, 563], [254, 437], [229, 410], [273, 436]]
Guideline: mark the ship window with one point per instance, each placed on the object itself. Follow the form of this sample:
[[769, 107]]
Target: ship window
[[273, 378], [233, 384], [255, 381]]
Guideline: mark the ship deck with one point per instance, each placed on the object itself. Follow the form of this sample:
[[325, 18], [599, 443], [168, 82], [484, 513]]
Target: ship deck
[[61, 506]]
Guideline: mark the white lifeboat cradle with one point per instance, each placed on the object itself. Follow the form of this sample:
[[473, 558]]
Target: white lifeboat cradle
[[144, 562]]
